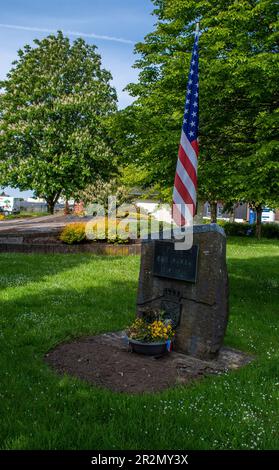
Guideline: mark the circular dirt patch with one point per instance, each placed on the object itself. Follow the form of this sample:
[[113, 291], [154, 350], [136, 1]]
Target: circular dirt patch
[[107, 361]]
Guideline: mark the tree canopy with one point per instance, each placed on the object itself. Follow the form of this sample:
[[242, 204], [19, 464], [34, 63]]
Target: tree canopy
[[53, 111], [239, 78]]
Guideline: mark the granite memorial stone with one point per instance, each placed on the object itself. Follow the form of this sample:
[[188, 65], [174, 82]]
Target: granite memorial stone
[[190, 286]]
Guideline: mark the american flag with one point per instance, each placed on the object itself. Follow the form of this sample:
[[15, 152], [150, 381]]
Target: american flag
[[185, 183]]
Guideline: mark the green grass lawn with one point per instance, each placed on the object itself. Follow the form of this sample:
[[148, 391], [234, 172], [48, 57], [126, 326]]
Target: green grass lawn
[[48, 299], [25, 215]]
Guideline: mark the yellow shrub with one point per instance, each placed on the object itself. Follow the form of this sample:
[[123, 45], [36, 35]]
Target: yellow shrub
[[73, 233], [107, 229], [2, 217]]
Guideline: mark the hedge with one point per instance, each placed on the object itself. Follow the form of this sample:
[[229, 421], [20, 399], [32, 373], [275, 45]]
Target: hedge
[[268, 230]]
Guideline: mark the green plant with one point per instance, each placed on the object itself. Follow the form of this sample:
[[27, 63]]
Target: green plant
[[270, 230], [221, 223], [157, 330], [238, 229], [48, 299], [239, 100], [73, 233], [108, 230], [100, 192], [152, 314], [26, 215], [55, 102]]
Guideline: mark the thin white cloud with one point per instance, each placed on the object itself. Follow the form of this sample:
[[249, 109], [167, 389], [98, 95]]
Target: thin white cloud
[[70, 33]]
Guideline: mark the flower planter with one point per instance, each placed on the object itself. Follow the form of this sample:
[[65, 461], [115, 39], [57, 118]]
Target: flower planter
[[149, 349]]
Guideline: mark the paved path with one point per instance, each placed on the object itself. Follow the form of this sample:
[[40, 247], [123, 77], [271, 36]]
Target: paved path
[[49, 223]]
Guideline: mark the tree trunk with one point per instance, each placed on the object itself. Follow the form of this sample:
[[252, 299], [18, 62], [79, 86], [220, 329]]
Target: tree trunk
[[232, 214], [213, 212], [67, 208], [51, 201], [50, 206], [259, 211], [198, 217]]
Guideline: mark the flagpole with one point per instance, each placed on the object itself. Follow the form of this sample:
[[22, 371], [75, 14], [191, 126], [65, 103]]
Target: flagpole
[[198, 202]]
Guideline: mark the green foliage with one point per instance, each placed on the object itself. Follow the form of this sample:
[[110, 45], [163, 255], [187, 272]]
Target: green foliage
[[148, 332], [239, 78], [26, 215], [106, 229], [49, 299], [73, 233], [132, 176], [96, 230], [101, 190], [269, 230], [238, 229], [53, 112]]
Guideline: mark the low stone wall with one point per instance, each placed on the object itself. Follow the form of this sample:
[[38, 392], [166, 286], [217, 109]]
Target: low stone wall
[[50, 237], [94, 248]]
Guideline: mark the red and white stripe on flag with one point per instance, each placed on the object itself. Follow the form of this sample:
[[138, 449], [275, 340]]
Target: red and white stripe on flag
[[185, 183]]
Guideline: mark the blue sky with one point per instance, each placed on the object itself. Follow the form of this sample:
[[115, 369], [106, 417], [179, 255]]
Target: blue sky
[[113, 25]]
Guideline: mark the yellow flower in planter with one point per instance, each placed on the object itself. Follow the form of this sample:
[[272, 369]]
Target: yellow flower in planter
[[145, 331]]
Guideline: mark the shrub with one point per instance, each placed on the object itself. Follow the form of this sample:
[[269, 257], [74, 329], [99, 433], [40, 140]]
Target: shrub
[[270, 230], [2, 217], [107, 230], [158, 330], [222, 223], [73, 233], [238, 229]]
